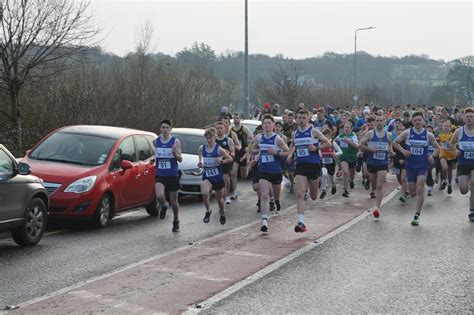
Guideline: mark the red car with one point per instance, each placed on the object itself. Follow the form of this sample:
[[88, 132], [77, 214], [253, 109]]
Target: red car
[[96, 171]]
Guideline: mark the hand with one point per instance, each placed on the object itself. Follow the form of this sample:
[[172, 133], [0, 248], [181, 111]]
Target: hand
[[373, 150], [430, 160], [253, 162], [312, 147], [200, 164], [289, 158], [218, 161], [458, 153], [174, 151], [272, 152], [402, 162], [406, 153], [392, 154]]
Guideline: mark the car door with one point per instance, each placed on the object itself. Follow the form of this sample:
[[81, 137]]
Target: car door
[[146, 161], [125, 182], [12, 193]]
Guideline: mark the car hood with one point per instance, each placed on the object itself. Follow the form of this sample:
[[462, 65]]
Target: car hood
[[190, 161], [59, 172]]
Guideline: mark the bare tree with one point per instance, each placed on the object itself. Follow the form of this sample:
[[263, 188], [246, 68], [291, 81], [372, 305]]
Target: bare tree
[[39, 39]]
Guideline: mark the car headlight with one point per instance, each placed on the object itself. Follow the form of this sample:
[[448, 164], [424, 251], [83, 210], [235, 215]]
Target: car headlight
[[194, 171], [82, 185]]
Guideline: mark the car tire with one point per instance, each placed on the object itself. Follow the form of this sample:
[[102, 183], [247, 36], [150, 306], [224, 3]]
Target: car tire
[[31, 232], [151, 208], [103, 212]]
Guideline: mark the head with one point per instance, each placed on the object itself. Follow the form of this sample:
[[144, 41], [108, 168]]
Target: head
[[210, 135], [290, 119], [418, 120], [321, 113], [406, 116], [237, 119], [302, 118], [370, 122], [447, 126], [165, 127], [268, 123], [430, 128], [347, 128], [300, 105], [335, 114], [226, 121], [379, 122], [468, 116], [399, 126], [278, 126], [344, 118], [220, 128], [327, 133]]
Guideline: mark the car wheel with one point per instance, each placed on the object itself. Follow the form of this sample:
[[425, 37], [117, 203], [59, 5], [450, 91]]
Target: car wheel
[[32, 230], [104, 211], [151, 208]]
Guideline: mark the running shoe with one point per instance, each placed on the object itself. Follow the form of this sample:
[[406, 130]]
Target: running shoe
[[306, 196], [351, 184], [207, 216], [450, 189], [163, 209], [258, 206], [367, 185], [345, 194], [372, 195], [323, 194], [175, 226], [376, 213], [264, 226], [333, 190], [278, 205], [234, 197], [471, 216], [442, 186], [402, 199], [222, 219], [416, 220], [430, 192], [456, 180], [300, 228], [272, 205], [228, 201]]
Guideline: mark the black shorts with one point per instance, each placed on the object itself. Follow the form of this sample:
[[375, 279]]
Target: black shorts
[[465, 169], [171, 183], [274, 178], [255, 174], [226, 168], [351, 164], [331, 168], [216, 185], [238, 156], [398, 165], [375, 168], [450, 162], [364, 157], [311, 170]]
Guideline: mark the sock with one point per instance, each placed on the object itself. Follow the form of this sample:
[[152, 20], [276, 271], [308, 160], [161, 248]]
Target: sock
[[300, 218], [264, 218], [417, 215], [208, 210], [272, 199]]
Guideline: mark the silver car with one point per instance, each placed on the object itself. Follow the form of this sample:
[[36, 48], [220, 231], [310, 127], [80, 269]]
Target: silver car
[[191, 175], [24, 201]]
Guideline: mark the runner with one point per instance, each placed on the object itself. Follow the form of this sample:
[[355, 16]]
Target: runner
[[417, 140], [306, 143], [168, 154], [328, 161], [366, 181], [349, 145], [447, 156], [254, 165], [378, 143], [464, 137], [399, 161], [271, 147], [211, 158], [240, 161], [429, 177], [237, 147], [227, 144]]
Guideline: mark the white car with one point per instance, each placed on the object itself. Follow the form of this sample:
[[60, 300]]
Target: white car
[[191, 174]]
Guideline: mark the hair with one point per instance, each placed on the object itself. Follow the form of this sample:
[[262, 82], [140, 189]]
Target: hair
[[415, 114], [349, 123], [370, 119], [237, 114], [278, 123], [469, 110], [398, 120], [303, 111], [268, 117], [210, 132], [290, 113], [226, 117], [166, 121], [219, 122]]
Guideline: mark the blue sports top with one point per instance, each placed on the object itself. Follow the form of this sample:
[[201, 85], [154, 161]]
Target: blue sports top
[[381, 144], [166, 164], [302, 140], [268, 162], [466, 147], [417, 144], [212, 171]]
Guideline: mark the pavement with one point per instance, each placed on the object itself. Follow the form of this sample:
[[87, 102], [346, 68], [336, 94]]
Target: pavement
[[176, 280]]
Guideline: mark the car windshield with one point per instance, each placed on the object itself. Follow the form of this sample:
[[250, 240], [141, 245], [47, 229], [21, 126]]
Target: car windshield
[[190, 143], [72, 148]]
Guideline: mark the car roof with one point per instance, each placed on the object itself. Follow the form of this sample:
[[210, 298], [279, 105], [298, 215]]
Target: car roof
[[189, 131], [103, 131]]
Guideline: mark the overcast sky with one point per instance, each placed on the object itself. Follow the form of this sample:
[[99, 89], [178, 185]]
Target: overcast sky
[[296, 29]]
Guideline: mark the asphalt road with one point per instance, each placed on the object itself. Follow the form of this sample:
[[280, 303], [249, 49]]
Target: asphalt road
[[66, 257], [385, 266]]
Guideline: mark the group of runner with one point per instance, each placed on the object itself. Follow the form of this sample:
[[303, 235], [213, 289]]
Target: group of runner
[[308, 149]]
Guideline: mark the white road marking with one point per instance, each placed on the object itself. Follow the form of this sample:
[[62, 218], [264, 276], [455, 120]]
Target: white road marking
[[245, 253], [186, 273], [278, 264]]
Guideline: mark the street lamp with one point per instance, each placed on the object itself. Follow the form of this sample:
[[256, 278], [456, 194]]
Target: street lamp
[[355, 54], [246, 57]]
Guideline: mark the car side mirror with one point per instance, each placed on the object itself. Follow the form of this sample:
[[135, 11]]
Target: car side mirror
[[126, 164], [23, 169]]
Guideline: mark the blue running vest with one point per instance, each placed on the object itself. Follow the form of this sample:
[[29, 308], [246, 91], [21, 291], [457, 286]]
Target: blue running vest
[[381, 144], [302, 140], [269, 163], [166, 164]]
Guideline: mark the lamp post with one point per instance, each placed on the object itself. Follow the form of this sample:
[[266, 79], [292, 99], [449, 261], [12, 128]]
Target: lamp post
[[246, 70], [355, 64]]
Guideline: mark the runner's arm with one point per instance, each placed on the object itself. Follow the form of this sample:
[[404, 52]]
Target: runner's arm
[[363, 142], [337, 148], [177, 151], [226, 158], [432, 140]]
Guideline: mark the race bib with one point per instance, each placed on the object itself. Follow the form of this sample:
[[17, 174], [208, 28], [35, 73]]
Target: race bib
[[166, 153], [416, 151], [446, 145], [327, 160], [379, 156], [301, 152], [212, 172], [395, 171], [343, 144], [164, 165], [469, 155], [267, 158]]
